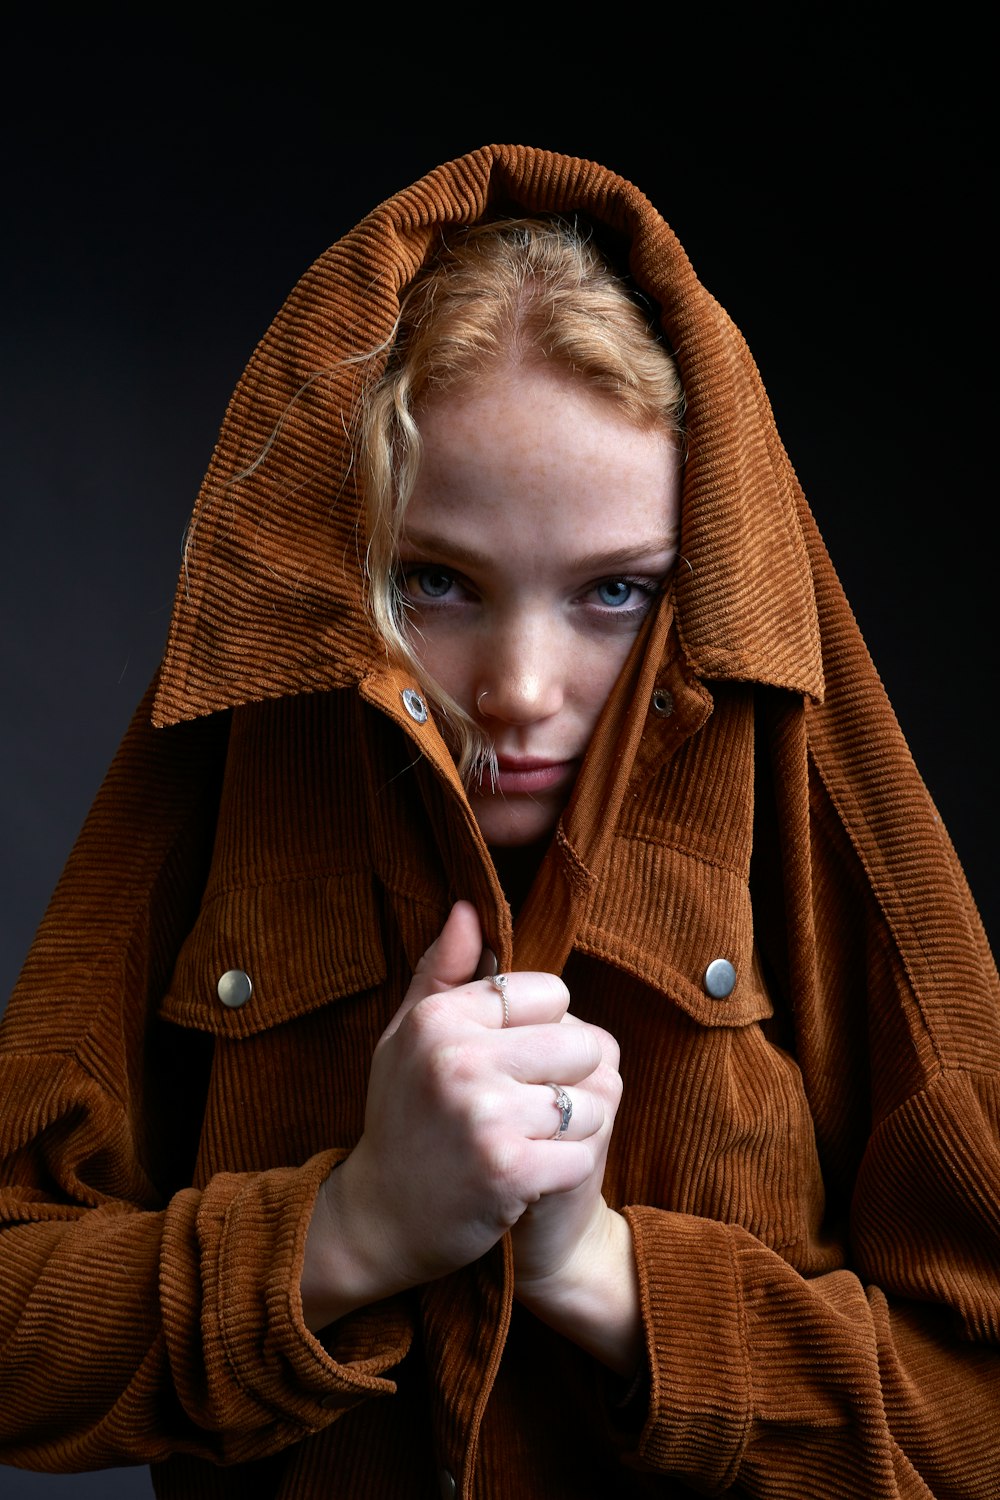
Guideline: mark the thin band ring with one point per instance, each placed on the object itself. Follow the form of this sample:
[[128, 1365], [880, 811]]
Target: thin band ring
[[564, 1105], [499, 983]]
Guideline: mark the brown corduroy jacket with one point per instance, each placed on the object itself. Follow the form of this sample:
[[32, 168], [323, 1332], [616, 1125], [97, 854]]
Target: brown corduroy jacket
[[809, 1166]]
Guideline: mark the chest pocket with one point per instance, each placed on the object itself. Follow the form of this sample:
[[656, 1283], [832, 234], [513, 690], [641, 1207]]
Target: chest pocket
[[688, 935], [290, 981], [303, 945], [290, 918], [261, 956]]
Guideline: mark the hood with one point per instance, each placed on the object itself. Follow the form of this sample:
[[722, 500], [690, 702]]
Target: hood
[[270, 598]]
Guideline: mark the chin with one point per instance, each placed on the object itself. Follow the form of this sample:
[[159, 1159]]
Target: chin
[[507, 827]]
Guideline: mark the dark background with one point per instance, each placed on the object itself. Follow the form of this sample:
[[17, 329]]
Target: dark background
[[830, 176]]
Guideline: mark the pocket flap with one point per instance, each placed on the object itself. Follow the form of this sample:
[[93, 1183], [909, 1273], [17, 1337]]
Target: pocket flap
[[665, 916], [286, 948]]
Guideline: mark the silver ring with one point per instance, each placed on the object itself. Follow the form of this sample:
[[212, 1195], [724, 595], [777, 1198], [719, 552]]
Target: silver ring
[[564, 1105], [499, 983], [479, 700]]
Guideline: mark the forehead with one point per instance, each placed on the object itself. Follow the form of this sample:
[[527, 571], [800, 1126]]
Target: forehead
[[532, 447]]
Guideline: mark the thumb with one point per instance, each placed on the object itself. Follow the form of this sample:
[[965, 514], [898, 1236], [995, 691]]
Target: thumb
[[454, 955], [450, 960]]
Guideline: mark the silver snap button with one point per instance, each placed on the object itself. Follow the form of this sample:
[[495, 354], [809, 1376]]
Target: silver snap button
[[415, 705], [235, 988], [663, 703], [720, 979]]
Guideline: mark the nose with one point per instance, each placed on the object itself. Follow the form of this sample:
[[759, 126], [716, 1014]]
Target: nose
[[521, 679]]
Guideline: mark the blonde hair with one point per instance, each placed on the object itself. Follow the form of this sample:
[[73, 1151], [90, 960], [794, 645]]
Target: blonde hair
[[505, 293]]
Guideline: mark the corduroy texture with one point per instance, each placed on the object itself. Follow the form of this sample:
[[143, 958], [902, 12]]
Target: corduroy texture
[[810, 1167]]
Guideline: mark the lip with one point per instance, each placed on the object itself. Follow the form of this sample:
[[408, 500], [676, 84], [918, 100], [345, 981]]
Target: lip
[[528, 775]]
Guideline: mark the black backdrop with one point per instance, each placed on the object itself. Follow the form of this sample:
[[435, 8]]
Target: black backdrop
[[830, 179]]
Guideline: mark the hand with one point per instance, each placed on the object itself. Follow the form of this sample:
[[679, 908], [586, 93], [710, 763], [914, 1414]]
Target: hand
[[574, 1266], [553, 1231], [458, 1129]]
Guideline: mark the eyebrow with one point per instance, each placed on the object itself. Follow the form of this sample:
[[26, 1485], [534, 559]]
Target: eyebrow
[[597, 560]]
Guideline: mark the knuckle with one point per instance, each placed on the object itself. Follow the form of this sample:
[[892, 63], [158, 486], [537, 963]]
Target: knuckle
[[433, 1012], [508, 1175], [610, 1049], [552, 987], [451, 1065], [592, 1051]]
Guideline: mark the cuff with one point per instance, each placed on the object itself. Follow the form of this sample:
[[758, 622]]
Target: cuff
[[699, 1399], [244, 1362]]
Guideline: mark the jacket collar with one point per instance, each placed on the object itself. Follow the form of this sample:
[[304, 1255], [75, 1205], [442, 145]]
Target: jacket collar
[[270, 599]]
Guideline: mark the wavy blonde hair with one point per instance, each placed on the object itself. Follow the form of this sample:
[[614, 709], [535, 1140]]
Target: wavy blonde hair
[[509, 292]]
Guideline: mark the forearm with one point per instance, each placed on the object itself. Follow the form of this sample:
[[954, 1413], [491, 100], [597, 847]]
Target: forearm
[[129, 1333]]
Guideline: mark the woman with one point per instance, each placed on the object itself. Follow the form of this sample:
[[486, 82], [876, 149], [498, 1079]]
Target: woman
[[615, 724], [523, 480]]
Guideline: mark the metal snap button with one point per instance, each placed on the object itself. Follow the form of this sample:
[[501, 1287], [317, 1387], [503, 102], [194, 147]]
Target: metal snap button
[[720, 979], [663, 703], [235, 988], [415, 705]]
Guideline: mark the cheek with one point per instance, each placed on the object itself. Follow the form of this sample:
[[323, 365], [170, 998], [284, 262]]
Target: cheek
[[444, 659], [596, 673]]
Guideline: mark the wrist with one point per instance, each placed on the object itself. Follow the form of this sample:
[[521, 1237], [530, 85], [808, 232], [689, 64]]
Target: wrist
[[341, 1270], [593, 1297]]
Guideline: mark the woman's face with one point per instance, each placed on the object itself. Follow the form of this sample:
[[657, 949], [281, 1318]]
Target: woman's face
[[540, 531]]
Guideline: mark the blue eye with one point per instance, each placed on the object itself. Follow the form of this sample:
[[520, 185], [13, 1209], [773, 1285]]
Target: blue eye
[[614, 592], [434, 583]]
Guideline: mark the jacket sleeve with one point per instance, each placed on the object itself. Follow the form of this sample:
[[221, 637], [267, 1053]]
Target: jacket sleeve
[[878, 1381], [139, 1316], [879, 1376]]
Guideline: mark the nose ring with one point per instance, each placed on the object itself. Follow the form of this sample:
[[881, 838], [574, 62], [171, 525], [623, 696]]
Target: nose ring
[[479, 700]]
